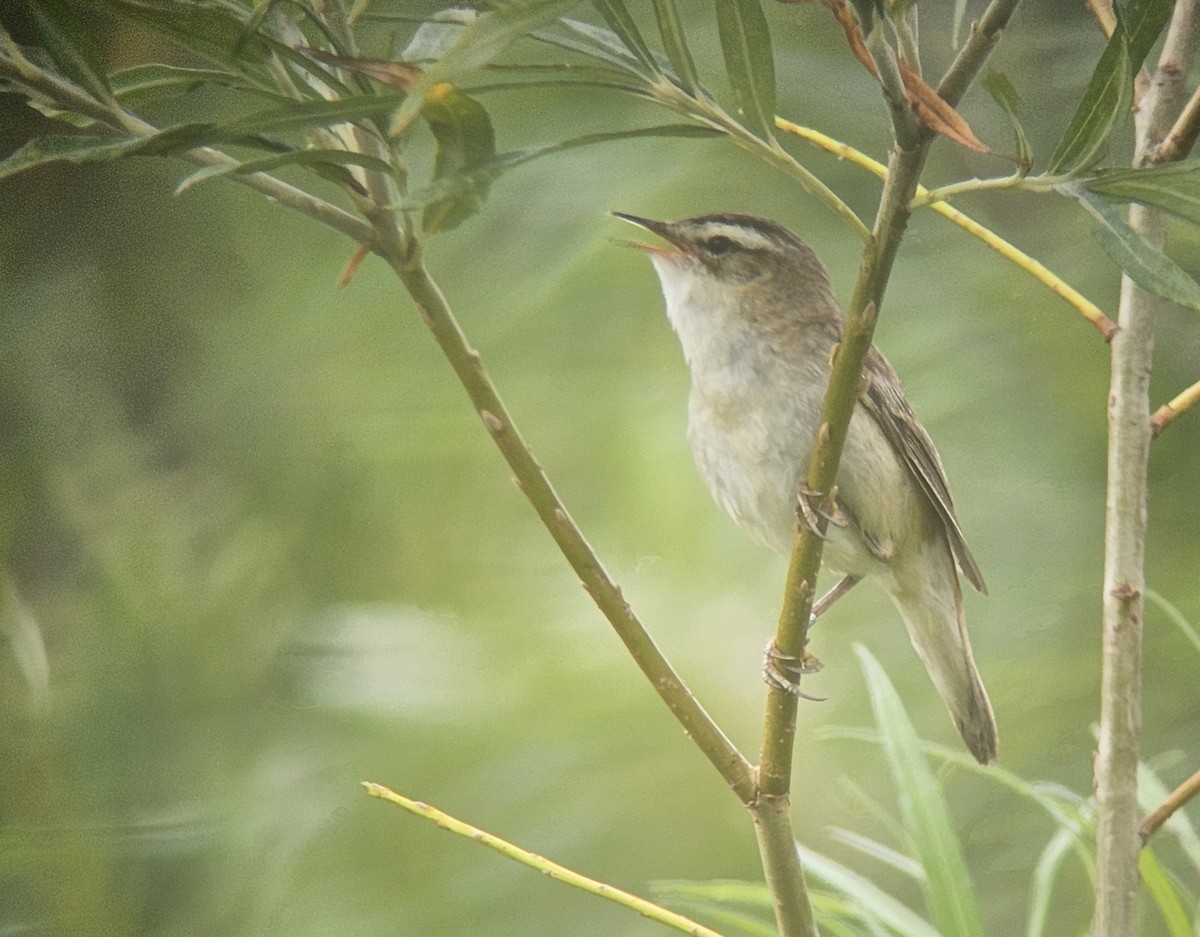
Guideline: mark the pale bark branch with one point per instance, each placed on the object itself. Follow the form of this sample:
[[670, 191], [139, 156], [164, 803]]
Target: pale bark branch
[[1117, 842]]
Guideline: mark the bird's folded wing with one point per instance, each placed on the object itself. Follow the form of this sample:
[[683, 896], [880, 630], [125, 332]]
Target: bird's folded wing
[[886, 404]]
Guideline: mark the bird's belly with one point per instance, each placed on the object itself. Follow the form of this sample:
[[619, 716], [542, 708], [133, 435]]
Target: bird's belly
[[754, 459]]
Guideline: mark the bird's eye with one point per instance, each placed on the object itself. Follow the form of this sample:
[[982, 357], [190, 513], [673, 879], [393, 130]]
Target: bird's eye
[[719, 244]]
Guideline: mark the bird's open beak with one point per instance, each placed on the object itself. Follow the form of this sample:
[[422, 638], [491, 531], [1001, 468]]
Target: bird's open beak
[[661, 228]]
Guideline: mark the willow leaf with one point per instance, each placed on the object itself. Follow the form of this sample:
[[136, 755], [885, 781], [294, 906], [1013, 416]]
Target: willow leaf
[[746, 44]]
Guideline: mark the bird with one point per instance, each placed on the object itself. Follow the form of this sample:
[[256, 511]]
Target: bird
[[758, 323]]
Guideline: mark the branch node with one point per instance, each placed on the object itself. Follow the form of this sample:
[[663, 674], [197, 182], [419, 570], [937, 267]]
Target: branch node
[[494, 424]]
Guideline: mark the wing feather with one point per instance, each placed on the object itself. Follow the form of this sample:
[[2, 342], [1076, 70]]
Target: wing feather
[[884, 400]]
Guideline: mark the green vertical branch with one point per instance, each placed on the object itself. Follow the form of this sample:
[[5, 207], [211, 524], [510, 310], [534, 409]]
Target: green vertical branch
[[772, 809], [879, 255]]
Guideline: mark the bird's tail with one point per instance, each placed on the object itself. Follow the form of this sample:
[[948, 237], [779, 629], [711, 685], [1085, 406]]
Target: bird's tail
[[932, 608]]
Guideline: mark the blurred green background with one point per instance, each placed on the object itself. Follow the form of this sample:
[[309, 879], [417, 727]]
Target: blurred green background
[[256, 547]]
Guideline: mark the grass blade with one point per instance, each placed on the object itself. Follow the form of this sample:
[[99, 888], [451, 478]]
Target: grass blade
[[867, 898], [1045, 877], [1166, 898], [923, 809]]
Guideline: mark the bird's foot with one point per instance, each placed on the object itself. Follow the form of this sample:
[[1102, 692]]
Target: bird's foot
[[783, 671], [809, 508]]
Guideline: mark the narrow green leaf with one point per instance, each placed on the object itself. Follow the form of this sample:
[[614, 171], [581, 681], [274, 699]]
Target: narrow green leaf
[[595, 42], [623, 25], [1005, 95], [1172, 187], [306, 115], [674, 41], [81, 148], [216, 33], [482, 40], [746, 44], [485, 173], [479, 43], [1105, 102], [1066, 808], [1144, 21], [725, 891], [1149, 268], [693, 131], [949, 893], [209, 31], [865, 896], [465, 142], [1166, 898], [738, 907], [438, 34], [247, 130], [72, 47], [555, 75], [1109, 93], [251, 27], [146, 82], [331, 163], [960, 12]]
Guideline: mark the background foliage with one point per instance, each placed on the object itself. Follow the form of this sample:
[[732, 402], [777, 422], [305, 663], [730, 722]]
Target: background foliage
[[270, 553]]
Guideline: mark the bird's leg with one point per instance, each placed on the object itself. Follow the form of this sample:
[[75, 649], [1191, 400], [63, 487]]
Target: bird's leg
[[783, 671], [840, 588]]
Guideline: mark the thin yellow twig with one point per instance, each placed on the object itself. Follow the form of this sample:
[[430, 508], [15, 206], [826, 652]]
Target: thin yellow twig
[[1179, 142], [541, 863], [1174, 802], [1168, 411], [1038, 271]]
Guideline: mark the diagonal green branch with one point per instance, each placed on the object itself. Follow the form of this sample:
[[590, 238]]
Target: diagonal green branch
[[534, 484], [380, 235]]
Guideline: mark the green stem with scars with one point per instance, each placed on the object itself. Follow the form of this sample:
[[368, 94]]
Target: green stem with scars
[[402, 253], [536, 487], [878, 258], [784, 875]]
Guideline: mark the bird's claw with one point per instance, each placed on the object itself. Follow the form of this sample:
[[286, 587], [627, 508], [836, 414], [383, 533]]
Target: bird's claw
[[809, 510], [783, 671]]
